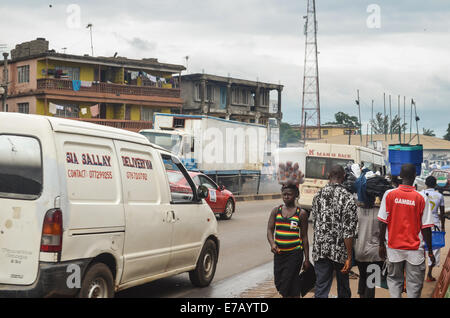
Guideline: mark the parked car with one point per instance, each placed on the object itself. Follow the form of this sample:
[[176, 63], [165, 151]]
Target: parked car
[[443, 179], [221, 200], [87, 210]]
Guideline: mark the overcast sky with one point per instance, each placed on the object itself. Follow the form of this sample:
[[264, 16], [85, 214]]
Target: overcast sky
[[407, 53]]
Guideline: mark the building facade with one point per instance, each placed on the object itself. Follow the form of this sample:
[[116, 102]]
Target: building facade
[[113, 91], [326, 131], [230, 98]]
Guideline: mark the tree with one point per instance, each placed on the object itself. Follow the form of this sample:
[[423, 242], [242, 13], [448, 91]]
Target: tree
[[447, 136], [342, 118], [381, 125], [428, 132], [288, 135]]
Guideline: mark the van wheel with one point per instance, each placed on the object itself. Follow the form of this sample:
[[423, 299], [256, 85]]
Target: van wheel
[[98, 282], [203, 274], [229, 210]]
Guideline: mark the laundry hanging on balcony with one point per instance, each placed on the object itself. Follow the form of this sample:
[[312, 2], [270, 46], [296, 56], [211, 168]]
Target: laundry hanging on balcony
[[76, 84], [94, 110], [86, 84], [52, 108]]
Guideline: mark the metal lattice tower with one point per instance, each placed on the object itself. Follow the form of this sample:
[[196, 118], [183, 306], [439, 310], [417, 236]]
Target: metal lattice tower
[[311, 97]]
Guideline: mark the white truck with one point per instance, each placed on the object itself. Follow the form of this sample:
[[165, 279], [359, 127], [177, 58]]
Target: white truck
[[210, 144]]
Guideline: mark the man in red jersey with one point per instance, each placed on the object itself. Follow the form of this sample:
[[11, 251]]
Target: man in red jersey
[[406, 215]]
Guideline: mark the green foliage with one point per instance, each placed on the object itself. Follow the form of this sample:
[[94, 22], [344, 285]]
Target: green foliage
[[342, 118], [380, 124], [288, 135], [447, 136], [428, 132]]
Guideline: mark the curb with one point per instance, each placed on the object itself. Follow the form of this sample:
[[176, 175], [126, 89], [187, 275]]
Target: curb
[[257, 197]]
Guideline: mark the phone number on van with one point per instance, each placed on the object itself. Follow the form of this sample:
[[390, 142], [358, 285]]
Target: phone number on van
[[91, 174]]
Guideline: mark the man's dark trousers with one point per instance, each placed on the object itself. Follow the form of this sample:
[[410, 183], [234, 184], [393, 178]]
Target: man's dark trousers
[[324, 268]]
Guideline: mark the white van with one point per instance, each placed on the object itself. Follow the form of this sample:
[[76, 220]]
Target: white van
[[320, 157], [87, 210]]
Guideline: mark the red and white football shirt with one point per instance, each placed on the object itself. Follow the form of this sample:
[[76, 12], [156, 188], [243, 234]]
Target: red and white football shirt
[[406, 212]]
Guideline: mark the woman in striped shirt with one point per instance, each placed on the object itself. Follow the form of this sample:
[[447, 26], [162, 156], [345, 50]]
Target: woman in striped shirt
[[287, 233]]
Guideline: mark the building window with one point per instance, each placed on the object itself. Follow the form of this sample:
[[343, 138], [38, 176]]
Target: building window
[[197, 92], [147, 114], [236, 94], [23, 108], [23, 74], [65, 72], [325, 131], [244, 96], [178, 123], [264, 97], [209, 93], [68, 111]]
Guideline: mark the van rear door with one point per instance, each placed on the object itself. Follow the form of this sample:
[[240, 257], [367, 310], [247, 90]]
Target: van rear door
[[22, 207]]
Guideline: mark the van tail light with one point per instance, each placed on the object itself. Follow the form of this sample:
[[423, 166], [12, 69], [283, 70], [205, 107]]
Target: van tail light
[[52, 231]]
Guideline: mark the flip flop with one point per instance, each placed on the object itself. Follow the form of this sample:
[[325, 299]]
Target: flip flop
[[429, 280]]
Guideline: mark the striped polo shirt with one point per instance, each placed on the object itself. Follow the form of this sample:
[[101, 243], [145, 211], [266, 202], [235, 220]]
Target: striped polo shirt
[[287, 231]]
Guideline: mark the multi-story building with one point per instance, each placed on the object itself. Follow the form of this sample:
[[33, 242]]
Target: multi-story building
[[230, 98], [114, 91]]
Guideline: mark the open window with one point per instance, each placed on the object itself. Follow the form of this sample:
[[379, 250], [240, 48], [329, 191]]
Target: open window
[[182, 188]]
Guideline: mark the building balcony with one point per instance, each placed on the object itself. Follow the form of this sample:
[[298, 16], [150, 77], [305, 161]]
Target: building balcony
[[131, 125], [110, 93]]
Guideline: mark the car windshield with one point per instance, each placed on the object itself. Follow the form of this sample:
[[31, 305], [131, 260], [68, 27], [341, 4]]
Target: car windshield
[[175, 177], [167, 141], [319, 167]]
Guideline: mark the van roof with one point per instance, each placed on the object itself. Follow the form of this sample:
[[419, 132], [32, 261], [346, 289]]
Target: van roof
[[318, 144], [77, 127]]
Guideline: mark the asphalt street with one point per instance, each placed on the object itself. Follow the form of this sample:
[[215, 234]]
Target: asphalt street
[[245, 259]]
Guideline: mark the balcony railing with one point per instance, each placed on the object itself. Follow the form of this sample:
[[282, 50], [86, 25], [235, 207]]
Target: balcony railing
[[131, 125], [109, 88]]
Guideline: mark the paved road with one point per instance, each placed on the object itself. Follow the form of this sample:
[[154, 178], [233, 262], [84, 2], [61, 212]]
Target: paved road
[[244, 260], [243, 247]]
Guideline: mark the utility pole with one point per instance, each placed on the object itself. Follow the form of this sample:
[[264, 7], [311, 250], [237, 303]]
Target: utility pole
[[187, 63], [404, 119], [390, 115], [399, 122], [410, 121], [360, 123], [385, 131], [89, 26], [417, 122], [5, 81], [311, 95], [371, 126], [304, 129]]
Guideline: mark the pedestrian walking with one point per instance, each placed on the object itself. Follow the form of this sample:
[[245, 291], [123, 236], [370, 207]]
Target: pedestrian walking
[[335, 219], [287, 233], [404, 214], [437, 206], [366, 248]]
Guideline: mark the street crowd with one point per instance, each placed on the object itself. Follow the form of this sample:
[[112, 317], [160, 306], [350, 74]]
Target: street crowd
[[389, 242]]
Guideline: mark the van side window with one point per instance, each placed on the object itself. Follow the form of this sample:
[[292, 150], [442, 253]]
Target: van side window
[[181, 190], [20, 167]]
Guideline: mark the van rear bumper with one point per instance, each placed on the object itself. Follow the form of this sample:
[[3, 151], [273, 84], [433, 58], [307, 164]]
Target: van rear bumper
[[51, 281]]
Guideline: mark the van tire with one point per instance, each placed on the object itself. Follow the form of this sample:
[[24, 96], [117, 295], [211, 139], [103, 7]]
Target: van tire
[[229, 210], [204, 272], [98, 282]]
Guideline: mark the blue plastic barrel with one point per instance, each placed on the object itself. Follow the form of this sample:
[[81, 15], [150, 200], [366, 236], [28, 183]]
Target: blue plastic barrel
[[403, 153]]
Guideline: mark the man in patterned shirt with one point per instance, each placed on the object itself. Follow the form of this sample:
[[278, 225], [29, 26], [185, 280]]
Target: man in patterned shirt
[[335, 221]]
